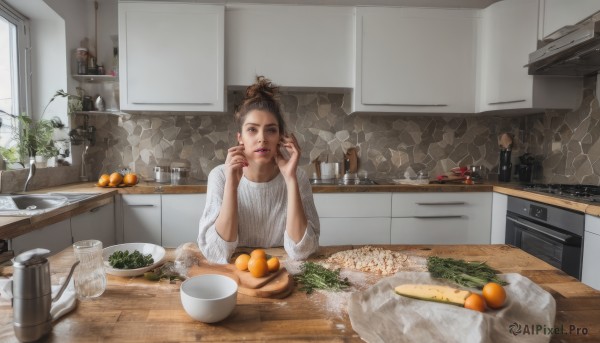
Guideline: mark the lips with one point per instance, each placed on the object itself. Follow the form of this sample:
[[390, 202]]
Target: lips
[[262, 150]]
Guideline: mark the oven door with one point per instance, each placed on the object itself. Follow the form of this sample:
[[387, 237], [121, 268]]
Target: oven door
[[559, 249]]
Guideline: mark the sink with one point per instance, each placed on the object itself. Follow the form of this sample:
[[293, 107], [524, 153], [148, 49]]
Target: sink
[[30, 204], [34, 204], [75, 197], [340, 182]]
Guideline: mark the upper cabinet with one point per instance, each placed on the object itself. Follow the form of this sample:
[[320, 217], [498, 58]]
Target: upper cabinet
[[415, 60], [508, 35], [559, 13], [171, 56], [295, 46]]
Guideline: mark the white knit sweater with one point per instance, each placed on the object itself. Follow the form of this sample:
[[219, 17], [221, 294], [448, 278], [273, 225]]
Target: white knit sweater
[[262, 214]]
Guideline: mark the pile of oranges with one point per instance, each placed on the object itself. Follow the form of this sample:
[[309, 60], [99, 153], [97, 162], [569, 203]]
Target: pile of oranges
[[257, 263], [493, 295], [117, 180]]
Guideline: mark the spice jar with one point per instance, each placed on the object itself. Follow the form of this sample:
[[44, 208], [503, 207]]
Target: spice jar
[[180, 172], [162, 174]]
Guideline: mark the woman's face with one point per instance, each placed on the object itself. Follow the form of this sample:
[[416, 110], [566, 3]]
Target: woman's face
[[260, 135]]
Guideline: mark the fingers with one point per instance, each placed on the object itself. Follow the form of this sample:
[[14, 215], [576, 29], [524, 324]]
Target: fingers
[[290, 142], [236, 157]]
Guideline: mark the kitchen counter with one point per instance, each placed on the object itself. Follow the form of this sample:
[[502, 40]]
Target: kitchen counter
[[515, 190], [14, 226], [134, 309]]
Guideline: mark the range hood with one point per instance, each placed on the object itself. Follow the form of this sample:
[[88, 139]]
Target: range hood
[[571, 50]]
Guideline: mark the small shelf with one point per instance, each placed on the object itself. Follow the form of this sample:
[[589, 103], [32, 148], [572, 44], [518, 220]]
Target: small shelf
[[110, 112], [95, 78]]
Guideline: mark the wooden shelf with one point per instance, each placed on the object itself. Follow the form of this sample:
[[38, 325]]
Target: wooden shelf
[[95, 78], [114, 113]]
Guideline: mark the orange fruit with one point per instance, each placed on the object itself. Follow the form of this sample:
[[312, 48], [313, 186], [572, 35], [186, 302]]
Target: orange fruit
[[273, 264], [475, 302], [115, 178], [258, 253], [103, 182], [494, 295], [258, 266], [241, 262], [130, 179], [105, 177]]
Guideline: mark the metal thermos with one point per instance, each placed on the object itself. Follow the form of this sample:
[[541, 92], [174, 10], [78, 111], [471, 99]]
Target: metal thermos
[[32, 295]]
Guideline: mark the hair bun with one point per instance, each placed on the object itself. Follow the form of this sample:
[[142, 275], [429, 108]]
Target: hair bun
[[263, 88]]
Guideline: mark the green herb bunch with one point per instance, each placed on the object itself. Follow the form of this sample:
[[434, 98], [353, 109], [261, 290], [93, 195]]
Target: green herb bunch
[[125, 260], [468, 274], [315, 276]]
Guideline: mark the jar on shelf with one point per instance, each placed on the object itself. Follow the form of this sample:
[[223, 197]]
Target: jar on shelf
[[81, 56]]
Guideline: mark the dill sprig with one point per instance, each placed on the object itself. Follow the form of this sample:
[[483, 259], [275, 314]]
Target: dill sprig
[[315, 276], [468, 274]]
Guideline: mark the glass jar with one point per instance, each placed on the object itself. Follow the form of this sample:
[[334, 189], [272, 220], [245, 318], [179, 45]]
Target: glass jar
[[81, 56], [89, 277], [162, 174]]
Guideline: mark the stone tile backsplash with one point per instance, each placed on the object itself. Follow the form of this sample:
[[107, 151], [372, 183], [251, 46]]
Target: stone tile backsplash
[[388, 145], [567, 143]]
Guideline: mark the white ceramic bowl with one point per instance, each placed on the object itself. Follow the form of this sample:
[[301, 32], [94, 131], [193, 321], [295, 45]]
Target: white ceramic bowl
[[209, 298], [158, 254]]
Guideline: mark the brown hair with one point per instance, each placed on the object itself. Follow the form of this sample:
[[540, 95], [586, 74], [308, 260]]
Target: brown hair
[[262, 95]]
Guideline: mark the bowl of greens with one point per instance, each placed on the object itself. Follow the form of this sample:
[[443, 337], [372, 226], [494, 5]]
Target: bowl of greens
[[132, 259]]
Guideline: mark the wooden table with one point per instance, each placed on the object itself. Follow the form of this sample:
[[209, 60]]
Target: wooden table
[[137, 310]]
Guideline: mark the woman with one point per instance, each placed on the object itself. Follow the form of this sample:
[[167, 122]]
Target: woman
[[259, 198]]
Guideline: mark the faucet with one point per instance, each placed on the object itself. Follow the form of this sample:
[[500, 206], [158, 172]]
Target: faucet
[[83, 172], [31, 173]]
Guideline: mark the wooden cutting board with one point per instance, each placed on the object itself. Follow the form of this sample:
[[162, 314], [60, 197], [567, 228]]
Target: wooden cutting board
[[249, 281], [276, 285]]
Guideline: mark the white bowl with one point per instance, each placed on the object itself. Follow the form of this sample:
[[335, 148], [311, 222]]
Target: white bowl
[[158, 254], [209, 298]]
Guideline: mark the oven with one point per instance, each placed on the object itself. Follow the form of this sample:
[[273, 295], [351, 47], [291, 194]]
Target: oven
[[552, 234]]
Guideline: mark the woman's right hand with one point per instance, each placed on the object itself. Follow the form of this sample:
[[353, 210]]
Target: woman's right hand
[[235, 163]]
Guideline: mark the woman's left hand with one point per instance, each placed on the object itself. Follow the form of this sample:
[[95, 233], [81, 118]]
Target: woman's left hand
[[287, 167]]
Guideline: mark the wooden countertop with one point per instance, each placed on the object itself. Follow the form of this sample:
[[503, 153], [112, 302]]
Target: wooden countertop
[[14, 226], [138, 310]]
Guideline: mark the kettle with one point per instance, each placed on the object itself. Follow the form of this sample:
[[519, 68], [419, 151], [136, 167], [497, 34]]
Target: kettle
[[32, 294]]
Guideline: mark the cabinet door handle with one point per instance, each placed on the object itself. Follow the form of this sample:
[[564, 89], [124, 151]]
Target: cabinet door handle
[[141, 205], [506, 102], [407, 105], [441, 203], [439, 217]]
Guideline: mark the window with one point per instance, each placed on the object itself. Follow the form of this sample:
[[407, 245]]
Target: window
[[14, 81]]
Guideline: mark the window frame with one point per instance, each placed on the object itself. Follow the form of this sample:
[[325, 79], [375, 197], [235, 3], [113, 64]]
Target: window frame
[[23, 47]]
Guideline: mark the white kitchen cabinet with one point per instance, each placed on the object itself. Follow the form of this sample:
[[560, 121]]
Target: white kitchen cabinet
[[559, 13], [415, 60], [97, 223], [508, 36], [499, 207], [591, 252], [354, 218], [441, 218], [180, 218], [142, 218], [295, 46], [171, 56], [55, 237]]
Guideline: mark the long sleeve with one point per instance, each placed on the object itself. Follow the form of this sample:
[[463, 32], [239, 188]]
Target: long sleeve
[[310, 241], [212, 246]]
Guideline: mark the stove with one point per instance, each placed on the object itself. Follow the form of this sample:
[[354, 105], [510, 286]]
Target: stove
[[589, 193]]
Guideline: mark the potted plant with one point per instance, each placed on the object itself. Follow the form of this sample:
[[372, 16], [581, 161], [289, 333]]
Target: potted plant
[[35, 139]]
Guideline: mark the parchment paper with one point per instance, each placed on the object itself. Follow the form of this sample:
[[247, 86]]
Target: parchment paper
[[378, 314]]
